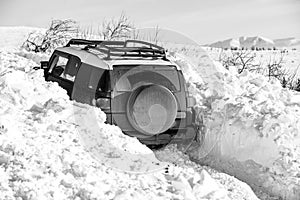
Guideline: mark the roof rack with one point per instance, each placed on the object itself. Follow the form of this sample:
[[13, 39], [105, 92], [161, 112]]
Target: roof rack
[[93, 42], [122, 48]]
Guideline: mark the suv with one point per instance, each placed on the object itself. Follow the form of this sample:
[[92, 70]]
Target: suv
[[133, 82]]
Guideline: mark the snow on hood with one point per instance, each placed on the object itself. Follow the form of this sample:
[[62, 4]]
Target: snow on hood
[[53, 148], [248, 118]]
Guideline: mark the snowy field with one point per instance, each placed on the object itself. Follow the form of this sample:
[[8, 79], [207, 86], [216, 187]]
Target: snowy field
[[290, 58], [252, 133], [252, 126]]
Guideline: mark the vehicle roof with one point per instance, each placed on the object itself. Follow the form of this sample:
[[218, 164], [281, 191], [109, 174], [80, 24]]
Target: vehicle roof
[[98, 59], [85, 56]]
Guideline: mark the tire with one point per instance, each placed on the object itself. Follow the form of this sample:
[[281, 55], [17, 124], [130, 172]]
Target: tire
[[151, 109]]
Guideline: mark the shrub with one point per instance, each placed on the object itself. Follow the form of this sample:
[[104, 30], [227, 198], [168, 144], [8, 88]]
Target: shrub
[[59, 32], [116, 28]]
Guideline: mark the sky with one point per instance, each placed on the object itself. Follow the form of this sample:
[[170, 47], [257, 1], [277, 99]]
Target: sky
[[204, 21]]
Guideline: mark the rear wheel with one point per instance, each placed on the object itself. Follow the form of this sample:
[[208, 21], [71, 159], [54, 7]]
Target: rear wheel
[[151, 110]]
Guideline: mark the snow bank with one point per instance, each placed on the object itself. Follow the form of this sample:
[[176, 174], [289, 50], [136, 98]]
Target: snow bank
[[13, 37], [53, 148], [253, 126]]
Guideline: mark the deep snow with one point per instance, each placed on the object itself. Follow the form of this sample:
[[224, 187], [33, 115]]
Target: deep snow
[[253, 126], [252, 133], [42, 155]]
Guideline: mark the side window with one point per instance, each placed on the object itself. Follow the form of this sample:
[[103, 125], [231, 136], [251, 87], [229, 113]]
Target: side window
[[71, 68], [65, 67], [104, 84], [58, 65], [100, 80]]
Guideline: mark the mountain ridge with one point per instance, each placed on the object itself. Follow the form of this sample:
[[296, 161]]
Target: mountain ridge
[[256, 42]]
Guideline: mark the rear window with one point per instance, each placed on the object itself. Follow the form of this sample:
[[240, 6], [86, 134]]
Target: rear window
[[64, 66], [128, 78]]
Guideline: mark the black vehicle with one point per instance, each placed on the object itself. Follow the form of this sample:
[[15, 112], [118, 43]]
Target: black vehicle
[[133, 82]]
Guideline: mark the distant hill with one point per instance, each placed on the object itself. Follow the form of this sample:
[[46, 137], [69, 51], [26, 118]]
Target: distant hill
[[287, 42], [257, 42]]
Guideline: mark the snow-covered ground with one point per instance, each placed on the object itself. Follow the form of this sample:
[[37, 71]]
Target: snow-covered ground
[[253, 126], [12, 37], [42, 155], [290, 58], [252, 132]]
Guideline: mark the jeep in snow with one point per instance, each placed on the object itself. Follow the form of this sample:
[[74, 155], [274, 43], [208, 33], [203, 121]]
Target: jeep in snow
[[133, 82]]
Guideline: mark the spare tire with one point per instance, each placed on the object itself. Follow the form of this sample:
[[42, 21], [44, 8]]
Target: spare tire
[[151, 109]]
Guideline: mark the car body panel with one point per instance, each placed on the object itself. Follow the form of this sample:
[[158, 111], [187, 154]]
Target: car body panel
[[95, 79], [86, 56]]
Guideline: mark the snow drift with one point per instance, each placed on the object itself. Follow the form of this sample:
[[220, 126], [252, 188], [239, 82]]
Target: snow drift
[[252, 133], [253, 126], [12, 37], [43, 154]]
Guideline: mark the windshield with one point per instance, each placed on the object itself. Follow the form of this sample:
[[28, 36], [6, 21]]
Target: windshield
[[128, 78]]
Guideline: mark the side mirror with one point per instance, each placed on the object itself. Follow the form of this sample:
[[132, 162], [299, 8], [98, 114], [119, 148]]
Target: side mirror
[[44, 64]]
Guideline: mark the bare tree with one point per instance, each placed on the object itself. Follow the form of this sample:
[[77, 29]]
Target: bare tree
[[116, 28], [59, 32], [135, 34], [290, 79], [87, 33], [274, 67], [297, 85], [152, 35], [242, 59], [155, 38]]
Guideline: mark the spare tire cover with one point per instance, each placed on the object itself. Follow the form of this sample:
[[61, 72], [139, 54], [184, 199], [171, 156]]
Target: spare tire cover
[[151, 109]]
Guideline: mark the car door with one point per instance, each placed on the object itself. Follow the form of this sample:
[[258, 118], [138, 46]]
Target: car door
[[63, 70]]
